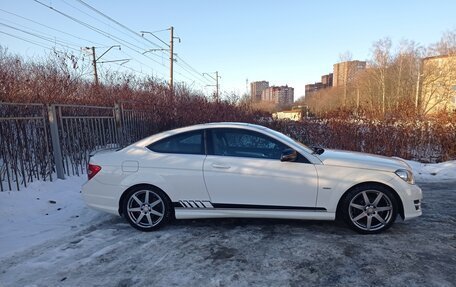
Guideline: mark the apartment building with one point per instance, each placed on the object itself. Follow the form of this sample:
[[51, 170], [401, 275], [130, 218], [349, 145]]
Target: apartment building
[[256, 89], [345, 72], [281, 96], [326, 82], [312, 88], [438, 84]]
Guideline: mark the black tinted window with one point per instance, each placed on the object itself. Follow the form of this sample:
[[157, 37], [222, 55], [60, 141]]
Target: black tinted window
[[187, 143], [244, 143]]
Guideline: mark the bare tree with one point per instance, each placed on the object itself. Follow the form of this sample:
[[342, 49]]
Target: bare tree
[[446, 45], [381, 59], [404, 71], [347, 56]]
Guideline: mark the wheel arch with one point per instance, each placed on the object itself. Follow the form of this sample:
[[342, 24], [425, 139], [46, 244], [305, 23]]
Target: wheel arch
[[371, 183], [143, 185]]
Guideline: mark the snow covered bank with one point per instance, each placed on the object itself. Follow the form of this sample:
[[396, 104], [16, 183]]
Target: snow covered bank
[[43, 211], [432, 172]]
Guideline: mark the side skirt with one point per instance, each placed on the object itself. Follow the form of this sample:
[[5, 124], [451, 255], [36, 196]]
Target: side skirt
[[190, 213]]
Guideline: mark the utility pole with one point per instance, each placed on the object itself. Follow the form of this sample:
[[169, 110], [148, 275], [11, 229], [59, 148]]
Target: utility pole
[[217, 85], [171, 58], [94, 63], [217, 77], [95, 60], [171, 52]]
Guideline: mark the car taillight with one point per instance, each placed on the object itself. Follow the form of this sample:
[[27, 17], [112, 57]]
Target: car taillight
[[92, 170]]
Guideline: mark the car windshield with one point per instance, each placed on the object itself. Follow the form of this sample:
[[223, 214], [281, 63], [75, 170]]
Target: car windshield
[[291, 140]]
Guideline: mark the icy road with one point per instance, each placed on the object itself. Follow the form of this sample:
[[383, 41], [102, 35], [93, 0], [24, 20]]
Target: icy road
[[229, 252]]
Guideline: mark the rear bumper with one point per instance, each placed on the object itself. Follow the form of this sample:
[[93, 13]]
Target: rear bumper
[[101, 196]]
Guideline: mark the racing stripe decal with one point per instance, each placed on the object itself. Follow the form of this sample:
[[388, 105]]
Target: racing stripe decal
[[193, 204]]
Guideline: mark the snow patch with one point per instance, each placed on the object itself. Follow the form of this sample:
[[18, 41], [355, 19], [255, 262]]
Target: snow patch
[[434, 172], [41, 212]]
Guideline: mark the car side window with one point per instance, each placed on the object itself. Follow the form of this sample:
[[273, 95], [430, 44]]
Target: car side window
[[184, 143], [245, 143]]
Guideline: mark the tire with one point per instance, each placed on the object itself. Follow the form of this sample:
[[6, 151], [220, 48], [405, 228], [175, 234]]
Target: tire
[[146, 208], [369, 209]]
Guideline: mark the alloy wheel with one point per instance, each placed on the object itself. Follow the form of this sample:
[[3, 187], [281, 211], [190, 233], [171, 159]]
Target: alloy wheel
[[370, 210], [145, 208]]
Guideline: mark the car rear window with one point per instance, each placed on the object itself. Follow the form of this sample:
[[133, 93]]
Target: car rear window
[[184, 143]]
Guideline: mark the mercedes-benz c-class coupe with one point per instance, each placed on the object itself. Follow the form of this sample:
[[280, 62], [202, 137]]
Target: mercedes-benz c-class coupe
[[226, 170]]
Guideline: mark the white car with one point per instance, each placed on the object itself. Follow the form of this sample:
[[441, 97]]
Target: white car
[[243, 170]]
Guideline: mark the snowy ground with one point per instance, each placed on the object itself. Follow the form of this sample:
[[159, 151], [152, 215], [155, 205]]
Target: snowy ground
[[48, 237], [434, 172]]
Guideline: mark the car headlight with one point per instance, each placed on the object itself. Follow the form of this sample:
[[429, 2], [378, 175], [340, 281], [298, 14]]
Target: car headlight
[[406, 175]]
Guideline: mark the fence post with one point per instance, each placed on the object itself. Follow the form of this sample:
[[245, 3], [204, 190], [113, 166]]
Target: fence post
[[118, 119], [55, 141]]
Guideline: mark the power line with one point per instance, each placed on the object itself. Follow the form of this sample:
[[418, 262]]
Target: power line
[[185, 66], [191, 69], [192, 75], [132, 69], [39, 36], [104, 33], [103, 22], [26, 40], [57, 30], [162, 30], [44, 38], [217, 77], [118, 23], [182, 75], [135, 33], [52, 49], [48, 39], [108, 35], [42, 33], [141, 63]]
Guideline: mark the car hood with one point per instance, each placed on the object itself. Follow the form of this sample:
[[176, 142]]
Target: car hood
[[362, 160]]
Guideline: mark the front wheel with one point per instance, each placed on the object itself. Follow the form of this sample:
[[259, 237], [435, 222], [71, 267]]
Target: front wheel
[[370, 209], [146, 208]]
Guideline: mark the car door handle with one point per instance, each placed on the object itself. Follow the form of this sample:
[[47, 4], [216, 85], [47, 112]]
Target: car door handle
[[220, 166]]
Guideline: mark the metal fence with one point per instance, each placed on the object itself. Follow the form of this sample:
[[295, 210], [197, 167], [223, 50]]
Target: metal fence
[[39, 142], [83, 129], [24, 145], [136, 124]]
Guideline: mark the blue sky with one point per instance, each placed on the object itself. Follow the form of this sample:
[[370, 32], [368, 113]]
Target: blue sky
[[284, 42]]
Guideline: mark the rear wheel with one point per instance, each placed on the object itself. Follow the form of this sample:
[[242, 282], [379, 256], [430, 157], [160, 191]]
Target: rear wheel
[[370, 209], [146, 208]]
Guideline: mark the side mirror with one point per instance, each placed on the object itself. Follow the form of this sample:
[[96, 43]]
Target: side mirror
[[289, 155]]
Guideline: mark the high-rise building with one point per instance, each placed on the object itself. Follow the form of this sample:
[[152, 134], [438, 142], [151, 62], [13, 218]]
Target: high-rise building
[[282, 95], [312, 88], [344, 72], [256, 88], [326, 82], [438, 84]]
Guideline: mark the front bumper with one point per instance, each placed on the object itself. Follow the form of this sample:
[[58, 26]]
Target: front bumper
[[412, 201]]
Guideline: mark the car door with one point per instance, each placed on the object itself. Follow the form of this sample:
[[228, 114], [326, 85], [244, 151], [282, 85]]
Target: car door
[[243, 169]]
